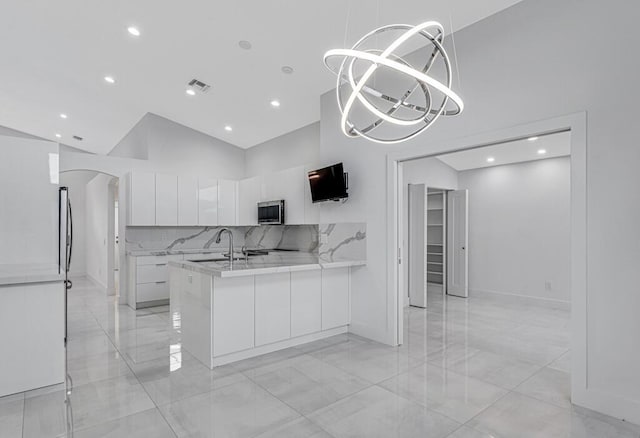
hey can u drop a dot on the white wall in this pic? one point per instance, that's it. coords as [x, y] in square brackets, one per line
[77, 181]
[433, 173]
[169, 145]
[512, 76]
[97, 225]
[297, 148]
[519, 228]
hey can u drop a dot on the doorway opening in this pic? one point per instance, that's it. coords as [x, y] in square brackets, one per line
[94, 197]
[575, 294]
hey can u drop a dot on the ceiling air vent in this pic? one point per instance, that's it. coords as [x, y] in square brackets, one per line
[199, 85]
[76, 137]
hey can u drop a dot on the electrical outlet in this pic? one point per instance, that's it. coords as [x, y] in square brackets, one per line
[547, 285]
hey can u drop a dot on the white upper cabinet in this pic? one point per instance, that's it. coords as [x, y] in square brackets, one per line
[227, 202]
[166, 199]
[170, 200]
[187, 200]
[207, 201]
[248, 198]
[142, 199]
[288, 185]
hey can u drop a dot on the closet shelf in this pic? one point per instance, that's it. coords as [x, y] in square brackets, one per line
[434, 263]
[434, 272]
[434, 225]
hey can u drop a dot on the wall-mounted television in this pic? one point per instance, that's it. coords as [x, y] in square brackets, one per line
[328, 184]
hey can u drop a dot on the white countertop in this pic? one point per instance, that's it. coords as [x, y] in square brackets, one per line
[268, 264]
[29, 273]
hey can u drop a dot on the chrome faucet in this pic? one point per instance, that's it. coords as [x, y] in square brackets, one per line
[218, 236]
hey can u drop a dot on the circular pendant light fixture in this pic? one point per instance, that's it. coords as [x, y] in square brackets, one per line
[377, 86]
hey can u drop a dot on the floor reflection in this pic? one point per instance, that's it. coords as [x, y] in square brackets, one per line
[483, 366]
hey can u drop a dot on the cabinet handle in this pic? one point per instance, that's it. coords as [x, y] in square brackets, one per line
[160, 282]
[161, 264]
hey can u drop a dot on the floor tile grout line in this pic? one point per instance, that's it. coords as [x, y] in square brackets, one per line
[305, 415]
[418, 404]
[24, 403]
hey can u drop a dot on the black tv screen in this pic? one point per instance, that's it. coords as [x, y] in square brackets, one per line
[328, 183]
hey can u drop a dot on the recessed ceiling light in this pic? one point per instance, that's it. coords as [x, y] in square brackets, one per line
[110, 79]
[542, 151]
[190, 92]
[246, 45]
[228, 128]
[287, 69]
[532, 138]
[133, 31]
[63, 116]
[58, 136]
[490, 160]
[275, 103]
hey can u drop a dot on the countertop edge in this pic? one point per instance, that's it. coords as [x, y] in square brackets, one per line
[195, 267]
[17, 280]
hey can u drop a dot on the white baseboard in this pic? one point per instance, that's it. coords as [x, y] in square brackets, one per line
[97, 282]
[270, 348]
[608, 404]
[549, 302]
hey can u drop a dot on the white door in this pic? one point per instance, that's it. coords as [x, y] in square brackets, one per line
[416, 240]
[457, 242]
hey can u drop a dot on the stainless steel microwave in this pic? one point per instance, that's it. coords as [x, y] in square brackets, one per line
[271, 212]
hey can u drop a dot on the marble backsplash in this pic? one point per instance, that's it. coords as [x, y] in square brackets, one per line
[343, 241]
[296, 237]
[332, 242]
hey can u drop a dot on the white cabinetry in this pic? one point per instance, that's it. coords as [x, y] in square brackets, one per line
[32, 326]
[142, 199]
[248, 197]
[227, 202]
[149, 280]
[207, 201]
[187, 200]
[288, 185]
[335, 298]
[273, 308]
[306, 302]
[166, 199]
[233, 315]
[195, 311]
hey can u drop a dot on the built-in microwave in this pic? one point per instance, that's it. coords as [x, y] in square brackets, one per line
[271, 212]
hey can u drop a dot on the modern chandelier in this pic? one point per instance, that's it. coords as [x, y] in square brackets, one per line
[412, 98]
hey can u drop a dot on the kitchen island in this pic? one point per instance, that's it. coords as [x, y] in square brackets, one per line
[266, 303]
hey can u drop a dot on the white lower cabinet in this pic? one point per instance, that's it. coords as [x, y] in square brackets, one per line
[149, 280]
[233, 314]
[306, 302]
[273, 308]
[195, 313]
[335, 298]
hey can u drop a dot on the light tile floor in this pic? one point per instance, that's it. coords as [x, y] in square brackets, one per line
[476, 368]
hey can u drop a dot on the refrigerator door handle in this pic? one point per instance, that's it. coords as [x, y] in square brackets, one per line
[70, 236]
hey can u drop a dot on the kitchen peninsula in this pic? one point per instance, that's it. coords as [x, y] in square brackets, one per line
[259, 305]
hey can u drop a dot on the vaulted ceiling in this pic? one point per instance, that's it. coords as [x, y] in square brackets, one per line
[56, 54]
